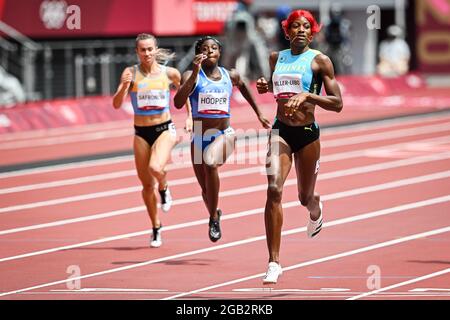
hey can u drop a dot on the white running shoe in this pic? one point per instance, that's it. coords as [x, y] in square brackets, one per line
[166, 199]
[314, 227]
[272, 274]
[156, 238]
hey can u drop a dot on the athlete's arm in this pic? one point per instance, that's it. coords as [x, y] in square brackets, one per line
[188, 125]
[261, 84]
[174, 76]
[123, 88]
[186, 86]
[243, 88]
[332, 101]
[188, 81]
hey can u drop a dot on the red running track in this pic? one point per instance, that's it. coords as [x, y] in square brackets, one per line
[80, 231]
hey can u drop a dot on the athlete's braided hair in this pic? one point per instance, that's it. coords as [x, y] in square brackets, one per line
[199, 42]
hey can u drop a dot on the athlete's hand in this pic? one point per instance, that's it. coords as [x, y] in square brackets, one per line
[188, 125]
[262, 86]
[294, 103]
[127, 77]
[265, 123]
[197, 62]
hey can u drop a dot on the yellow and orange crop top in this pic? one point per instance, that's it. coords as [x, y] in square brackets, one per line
[150, 95]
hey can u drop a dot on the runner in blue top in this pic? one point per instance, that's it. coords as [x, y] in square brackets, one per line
[297, 77]
[208, 87]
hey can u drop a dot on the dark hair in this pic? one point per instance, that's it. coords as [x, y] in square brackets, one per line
[199, 43]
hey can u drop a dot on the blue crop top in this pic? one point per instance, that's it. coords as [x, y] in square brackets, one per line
[210, 98]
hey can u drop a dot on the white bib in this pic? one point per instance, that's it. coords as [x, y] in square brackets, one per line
[286, 83]
[213, 101]
[151, 98]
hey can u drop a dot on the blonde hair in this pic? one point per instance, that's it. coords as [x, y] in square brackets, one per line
[162, 55]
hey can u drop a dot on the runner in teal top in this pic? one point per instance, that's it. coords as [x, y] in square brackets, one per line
[297, 77]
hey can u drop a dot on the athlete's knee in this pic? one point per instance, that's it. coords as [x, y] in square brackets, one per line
[148, 188]
[305, 199]
[156, 169]
[144, 177]
[274, 192]
[211, 173]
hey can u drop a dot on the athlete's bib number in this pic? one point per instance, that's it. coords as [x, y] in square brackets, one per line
[151, 99]
[213, 101]
[285, 85]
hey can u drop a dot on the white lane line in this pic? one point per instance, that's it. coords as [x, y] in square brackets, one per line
[393, 134]
[231, 193]
[45, 133]
[91, 163]
[69, 182]
[339, 173]
[67, 166]
[115, 175]
[321, 260]
[104, 215]
[430, 290]
[85, 164]
[363, 128]
[233, 244]
[108, 290]
[401, 284]
[118, 133]
[229, 173]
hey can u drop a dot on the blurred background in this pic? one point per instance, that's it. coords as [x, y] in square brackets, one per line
[62, 56]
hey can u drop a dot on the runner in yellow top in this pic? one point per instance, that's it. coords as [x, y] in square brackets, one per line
[149, 86]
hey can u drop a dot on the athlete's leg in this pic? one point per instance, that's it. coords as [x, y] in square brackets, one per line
[279, 162]
[208, 179]
[142, 158]
[160, 155]
[214, 156]
[199, 172]
[307, 167]
[212, 187]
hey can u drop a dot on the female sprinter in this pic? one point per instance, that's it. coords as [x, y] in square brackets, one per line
[149, 86]
[209, 89]
[296, 79]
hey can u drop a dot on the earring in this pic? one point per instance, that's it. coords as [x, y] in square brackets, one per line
[287, 38]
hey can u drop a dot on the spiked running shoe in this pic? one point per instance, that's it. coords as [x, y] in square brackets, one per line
[214, 228]
[166, 199]
[314, 227]
[273, 272]
[156, 241]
